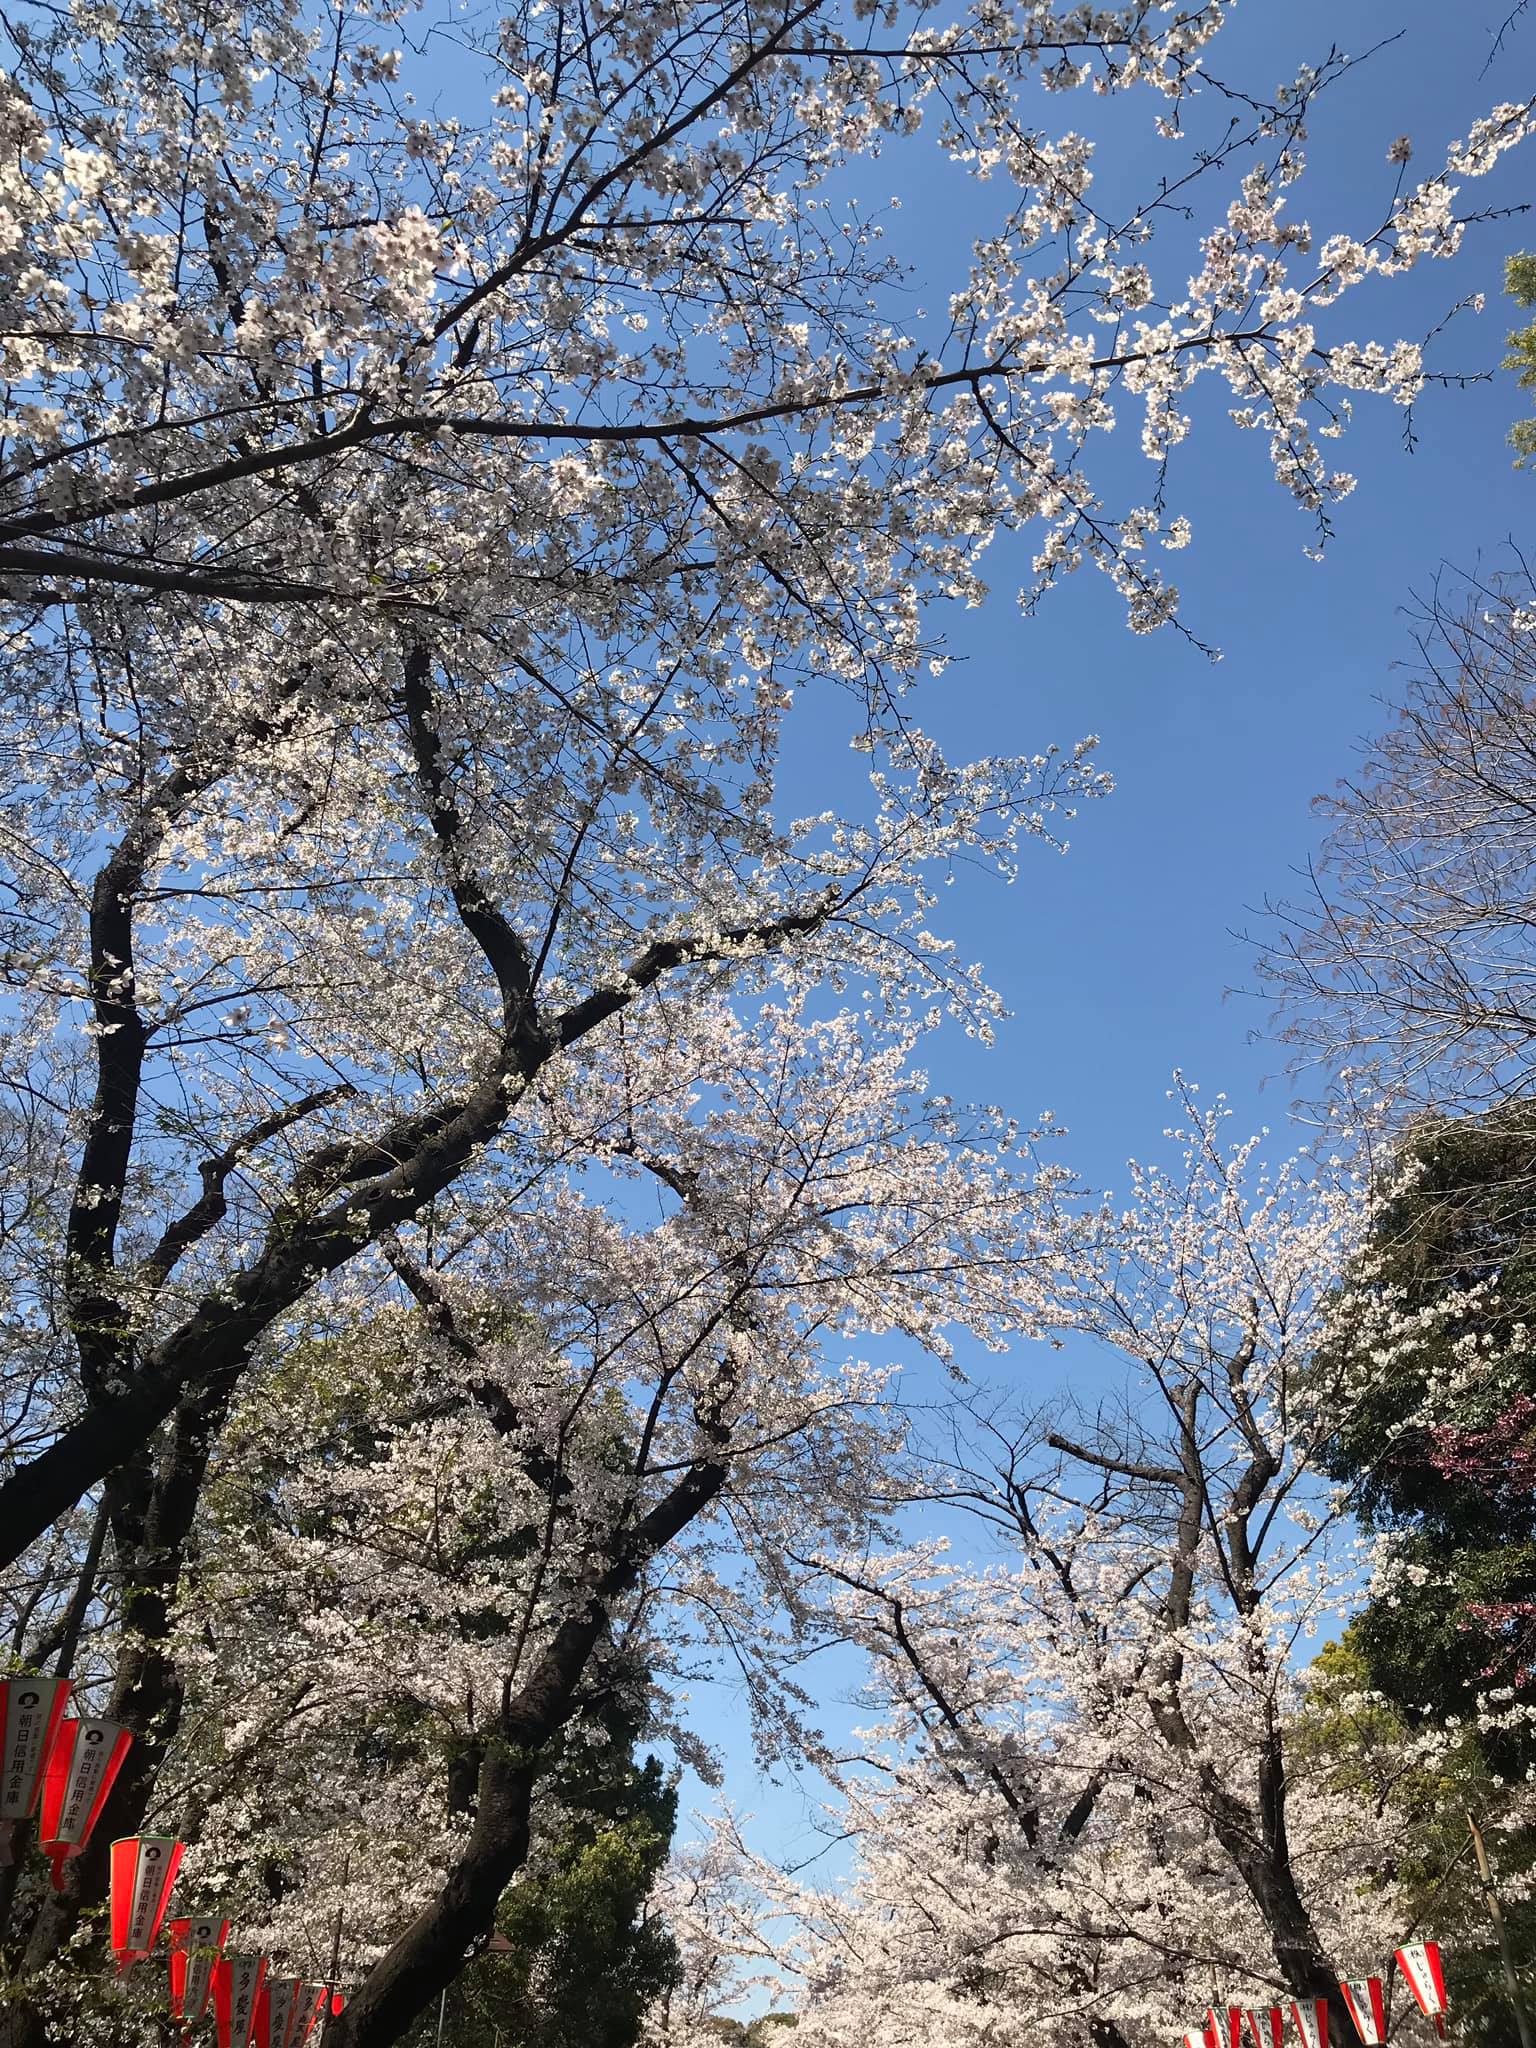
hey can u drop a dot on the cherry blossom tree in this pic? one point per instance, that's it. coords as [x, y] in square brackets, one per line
[433, 1537]
[283, 340]
[417, 528]
[1085, 1799]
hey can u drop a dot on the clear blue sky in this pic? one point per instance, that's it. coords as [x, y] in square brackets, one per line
[1115, 960]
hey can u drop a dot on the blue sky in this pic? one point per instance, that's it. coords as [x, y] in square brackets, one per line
[1115, 961]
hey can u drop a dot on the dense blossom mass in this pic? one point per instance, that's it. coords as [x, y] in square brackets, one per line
[1109, 1787]
[466, 1162]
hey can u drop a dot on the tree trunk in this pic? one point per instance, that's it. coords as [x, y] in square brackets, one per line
[1265, 1868]
[430, 1953]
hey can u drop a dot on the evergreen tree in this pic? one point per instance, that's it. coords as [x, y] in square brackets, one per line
[578, 1956]
[1453, 1478]
[1365, 1747]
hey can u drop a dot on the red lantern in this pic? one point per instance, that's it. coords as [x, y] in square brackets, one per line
[311, 2005]
[195, 1947]
[143, 1870]
[292, 2007]
[1367, 2008]
[1267, 2027]
[30, 1712]
[274, 2010]
[237, 1984]
[1228, 2032]
[1311, 2017]
[1420, 1964]
[85, 1758]
[338, 2005]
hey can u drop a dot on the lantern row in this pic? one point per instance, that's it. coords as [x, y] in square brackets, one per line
[251, 2007]
[1364, 2001]
[67, 1766]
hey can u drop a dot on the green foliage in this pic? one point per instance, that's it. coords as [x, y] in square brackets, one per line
[1470, 1218]
[1429, 1650]
[755, 2033]
[584, 1959]
[1417, 1661]
[1520, 283]
[1359, 1743]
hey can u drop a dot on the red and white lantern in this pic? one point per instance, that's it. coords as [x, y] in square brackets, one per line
[312, 2003]
[144, 1868]
[237, 1987]
[30, 1712]
[195, 1948]
[85, 1758]
[1420, 1964]
[1225, 2030]
[1311, 2017]
[287, 2011]
[1367, 2008]
[1266, 2026]
[1198, 2038]
[279, 1997]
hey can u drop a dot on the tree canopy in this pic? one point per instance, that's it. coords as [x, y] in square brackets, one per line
[455, 1106]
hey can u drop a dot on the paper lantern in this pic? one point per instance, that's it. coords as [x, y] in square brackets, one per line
[237, 1986]
[1311, 2017]
[312, 2002]
[287, 2012]
[1225, 2030]
[195, 1947]
[1367, 2008]
[1266, 2026]
[290, 2004]
[30, 1712]
[1420, 1964]
[338, 2005]
[85, 1758]
[143, 1870]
